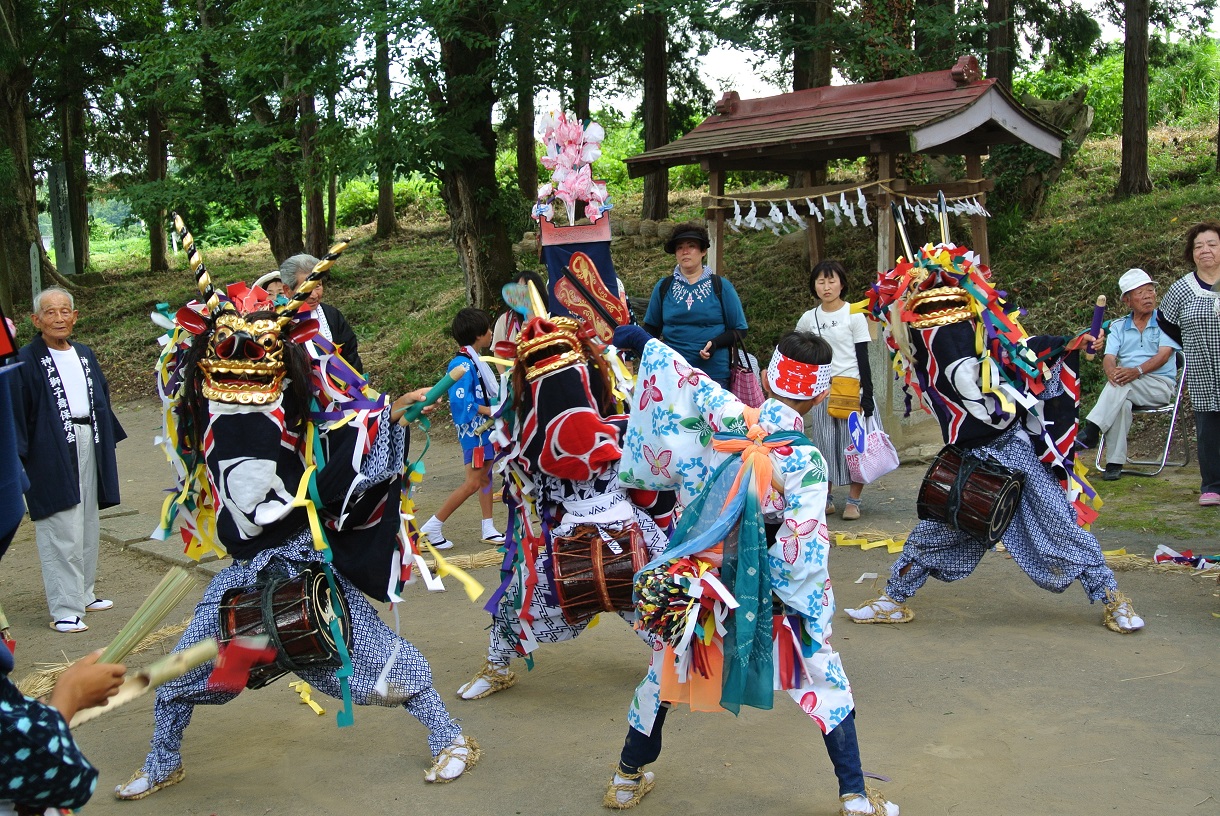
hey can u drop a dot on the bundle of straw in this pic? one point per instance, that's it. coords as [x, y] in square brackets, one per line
[41, 681]
[174, 587]
[1126, 562]
[487, 558]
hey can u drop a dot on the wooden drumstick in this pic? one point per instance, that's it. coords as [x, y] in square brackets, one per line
[1099, 316]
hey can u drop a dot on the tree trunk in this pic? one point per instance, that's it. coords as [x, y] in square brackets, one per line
[311, 158]
[157, 159]
[76, 179]
[1070, 115]
[527, 151]
[811, 59]
[999, 42]
[1133, 177]
[656, 112]
[332, 178]
[18, 209]
[582, 79]
[890, 23]
[803, 49]
[387, 220]
[823, 58]
[281, 224]
[933, 45]
[468, 182]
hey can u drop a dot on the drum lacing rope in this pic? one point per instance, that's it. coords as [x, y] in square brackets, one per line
[953, 502]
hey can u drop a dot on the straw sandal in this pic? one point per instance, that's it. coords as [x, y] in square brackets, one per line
[637, 784]
[879, 804]
[1119, 606]
[120, 792]
[882, 615]
[464, 749]
[495, 680]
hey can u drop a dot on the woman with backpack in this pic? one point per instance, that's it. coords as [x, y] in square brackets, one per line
[695, 311]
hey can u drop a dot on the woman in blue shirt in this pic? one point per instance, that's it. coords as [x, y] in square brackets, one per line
[695, 311]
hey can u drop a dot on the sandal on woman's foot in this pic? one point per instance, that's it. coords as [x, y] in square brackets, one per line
[1119, 615]
[69, 625]
[490, 679]
[454, 760]
[494, 538]
[626, 790]
[869, 803]
[851, 512]
[140, 785]
[883, 610]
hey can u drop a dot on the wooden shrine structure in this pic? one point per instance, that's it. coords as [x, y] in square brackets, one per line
[955, 112]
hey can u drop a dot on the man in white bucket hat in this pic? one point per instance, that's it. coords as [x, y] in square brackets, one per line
[1140, 370]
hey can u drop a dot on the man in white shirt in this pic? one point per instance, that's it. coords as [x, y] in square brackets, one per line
[66, 436]
[1140, 370]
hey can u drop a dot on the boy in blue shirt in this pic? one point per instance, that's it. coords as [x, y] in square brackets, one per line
[470, 400]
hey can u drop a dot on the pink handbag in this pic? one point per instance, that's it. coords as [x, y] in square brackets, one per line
[743, 378]
[878, 458]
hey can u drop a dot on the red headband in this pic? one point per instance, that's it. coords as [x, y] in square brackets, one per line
[796, 380]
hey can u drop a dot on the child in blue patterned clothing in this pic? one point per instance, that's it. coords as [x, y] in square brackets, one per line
[470, 400]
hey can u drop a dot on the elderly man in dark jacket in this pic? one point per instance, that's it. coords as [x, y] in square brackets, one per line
[66, 435]
[331, 323]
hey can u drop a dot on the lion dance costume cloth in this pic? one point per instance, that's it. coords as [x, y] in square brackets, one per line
[285, 458]
[560, 442]
[999, 394]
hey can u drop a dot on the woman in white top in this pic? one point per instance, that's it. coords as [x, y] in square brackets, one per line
[848, 337]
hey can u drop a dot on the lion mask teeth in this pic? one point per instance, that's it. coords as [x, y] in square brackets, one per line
[244, 363]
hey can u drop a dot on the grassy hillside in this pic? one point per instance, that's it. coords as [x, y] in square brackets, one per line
[401, 294]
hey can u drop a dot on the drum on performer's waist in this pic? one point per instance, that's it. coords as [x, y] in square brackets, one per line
[594, 569]
[976, 495]
[294, 613]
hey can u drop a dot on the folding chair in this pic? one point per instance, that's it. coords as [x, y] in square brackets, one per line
[1170, 408]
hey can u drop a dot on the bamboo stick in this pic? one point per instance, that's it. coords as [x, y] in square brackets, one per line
[174, 587]
[139, 682]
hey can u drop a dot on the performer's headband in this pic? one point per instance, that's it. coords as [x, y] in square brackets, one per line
[796, 380]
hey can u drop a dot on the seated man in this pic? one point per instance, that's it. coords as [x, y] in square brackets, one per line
[1140, 371]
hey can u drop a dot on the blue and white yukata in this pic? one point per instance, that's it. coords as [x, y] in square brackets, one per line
[676, 414]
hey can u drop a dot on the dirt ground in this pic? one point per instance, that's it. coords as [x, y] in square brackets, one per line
[999, 698]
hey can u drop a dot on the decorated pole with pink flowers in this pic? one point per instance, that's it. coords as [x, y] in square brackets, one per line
[581, 282]
[571, 149]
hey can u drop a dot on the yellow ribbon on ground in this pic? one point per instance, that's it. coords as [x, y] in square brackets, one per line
[306, 691]
[892, 544]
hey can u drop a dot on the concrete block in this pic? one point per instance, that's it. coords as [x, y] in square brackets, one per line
[126, 530]
[168, 551]
[116, 511]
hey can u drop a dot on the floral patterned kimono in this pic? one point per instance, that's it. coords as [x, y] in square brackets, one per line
[687, 433]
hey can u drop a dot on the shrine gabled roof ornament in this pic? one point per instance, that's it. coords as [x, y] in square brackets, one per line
[952, 112]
